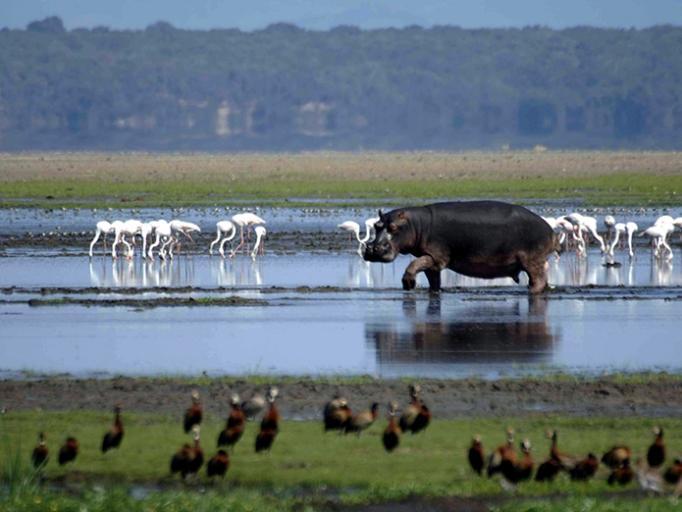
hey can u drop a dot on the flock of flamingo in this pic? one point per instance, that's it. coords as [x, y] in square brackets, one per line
[574, 231]
[167, 235]
[577, 229]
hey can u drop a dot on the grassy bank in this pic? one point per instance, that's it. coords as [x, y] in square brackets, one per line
[306, 462]
[130, 180]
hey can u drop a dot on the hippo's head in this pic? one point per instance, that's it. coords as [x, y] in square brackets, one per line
[394, 235]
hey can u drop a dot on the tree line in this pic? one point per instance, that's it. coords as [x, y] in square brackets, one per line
[286, 88]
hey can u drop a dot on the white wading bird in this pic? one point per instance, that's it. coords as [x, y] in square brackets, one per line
[225, 231]
[353, 227]
[259, 246]
[163, 233]
[584, 224]
[245, 220]
[122, 229]
[103, 228]
[626, 230]
[184, 228]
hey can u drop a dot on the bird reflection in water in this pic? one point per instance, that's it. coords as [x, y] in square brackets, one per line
[238, 272]
[500, 332]
[130, 273]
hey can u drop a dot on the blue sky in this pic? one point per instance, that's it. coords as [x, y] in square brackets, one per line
[323, 14]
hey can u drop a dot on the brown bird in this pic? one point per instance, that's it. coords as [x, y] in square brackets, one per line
[416, 416]
[565, 461]
[673, 473]
[655, 456]
[188, 459]
[476, 456]
[622, 474]
[548, 470]
[179, 461]
[218, 464]
[68, 451]
[269, 425]
[336, 414]
[40, 452]
[391, 435]
[585, 469]
[515, 472]
[363, 420]
[501, 453]
[193, 414]
[113, 438]
[615, 457]
[236, 423]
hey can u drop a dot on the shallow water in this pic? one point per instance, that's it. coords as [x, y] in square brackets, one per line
[361, 323]
[307, 269]
[15, 221]
[387, 334]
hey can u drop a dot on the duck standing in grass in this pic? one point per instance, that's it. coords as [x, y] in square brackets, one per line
[40, 453]
[113, 438]
[391, 436]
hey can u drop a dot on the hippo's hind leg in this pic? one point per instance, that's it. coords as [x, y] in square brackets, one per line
[420, 264]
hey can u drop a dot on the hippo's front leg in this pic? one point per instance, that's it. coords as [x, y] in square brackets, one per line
[421, 264]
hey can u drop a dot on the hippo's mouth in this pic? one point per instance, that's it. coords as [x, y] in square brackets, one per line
[382, 255]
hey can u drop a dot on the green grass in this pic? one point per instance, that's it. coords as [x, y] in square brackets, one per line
[289, 189]
[306, 468]
[304, 458]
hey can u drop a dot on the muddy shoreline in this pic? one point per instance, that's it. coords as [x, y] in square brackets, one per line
[303, 399]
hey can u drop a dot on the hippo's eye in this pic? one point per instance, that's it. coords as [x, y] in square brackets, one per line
[392, 228]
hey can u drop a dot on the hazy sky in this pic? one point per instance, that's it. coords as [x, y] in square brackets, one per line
[322, 14]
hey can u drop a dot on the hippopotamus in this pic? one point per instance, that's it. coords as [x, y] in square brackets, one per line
[486, 239]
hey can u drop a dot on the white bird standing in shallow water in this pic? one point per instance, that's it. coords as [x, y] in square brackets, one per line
[354, 227]
[586, 224]
[225, 231]
[184, 228]
[163, 231]
[103, 228]
[259, 246]
[131, 228]
[245, 220]
[623, 229]
[658, 234]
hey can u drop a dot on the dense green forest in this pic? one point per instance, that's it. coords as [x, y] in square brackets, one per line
[285, 88]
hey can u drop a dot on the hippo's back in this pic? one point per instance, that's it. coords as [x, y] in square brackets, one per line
[491, 225]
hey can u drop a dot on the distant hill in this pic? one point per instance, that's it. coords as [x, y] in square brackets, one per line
[285, 88]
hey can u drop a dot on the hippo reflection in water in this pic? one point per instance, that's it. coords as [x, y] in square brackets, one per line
[486, 239]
